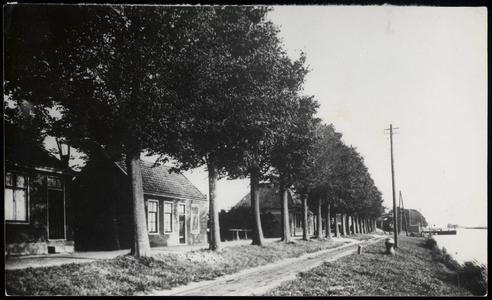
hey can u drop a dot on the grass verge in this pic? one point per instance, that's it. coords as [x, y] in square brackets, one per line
[126, 275]
[412, 271]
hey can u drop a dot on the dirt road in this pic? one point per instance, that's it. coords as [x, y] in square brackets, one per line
[257, 281]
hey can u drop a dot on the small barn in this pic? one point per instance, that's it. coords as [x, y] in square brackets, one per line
[176, 211]
[38, 207]
[270, 209]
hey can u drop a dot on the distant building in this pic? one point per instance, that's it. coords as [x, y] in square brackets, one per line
[270, 209]
[412, 219]
[176, 211]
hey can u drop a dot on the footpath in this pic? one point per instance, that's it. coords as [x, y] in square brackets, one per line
[48, 260]
[249, 282]
[259, 280]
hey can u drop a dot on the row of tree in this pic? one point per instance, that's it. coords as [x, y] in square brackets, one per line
[206, 86]
[330, 178]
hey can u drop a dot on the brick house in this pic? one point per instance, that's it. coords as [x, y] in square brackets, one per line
[176, 211]
[38, 216]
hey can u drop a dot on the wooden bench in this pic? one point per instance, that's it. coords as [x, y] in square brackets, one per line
[237, 233]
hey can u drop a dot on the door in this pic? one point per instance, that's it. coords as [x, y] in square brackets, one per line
[182, 223]
[56, 208]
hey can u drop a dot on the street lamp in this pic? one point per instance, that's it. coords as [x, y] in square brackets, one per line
[63, 150]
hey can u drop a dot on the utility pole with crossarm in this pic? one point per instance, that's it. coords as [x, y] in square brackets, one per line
[395, 219]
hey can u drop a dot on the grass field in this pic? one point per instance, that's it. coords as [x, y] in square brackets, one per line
[126, 275]
[417, 269]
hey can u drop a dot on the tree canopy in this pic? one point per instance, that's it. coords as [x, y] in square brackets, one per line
[204, 85]
[113, 73]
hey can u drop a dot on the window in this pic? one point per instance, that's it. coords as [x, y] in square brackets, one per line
[16, 203]
[168, 217]
[55, 183]
[195, 218]
[181, 209]
[152, 216]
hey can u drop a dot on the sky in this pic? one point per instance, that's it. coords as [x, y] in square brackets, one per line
[421, 69]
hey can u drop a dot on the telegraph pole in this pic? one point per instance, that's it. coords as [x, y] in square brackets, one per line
[395, 219]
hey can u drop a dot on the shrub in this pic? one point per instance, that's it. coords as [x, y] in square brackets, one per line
[473, 276]
[444, 257]
[430, 243]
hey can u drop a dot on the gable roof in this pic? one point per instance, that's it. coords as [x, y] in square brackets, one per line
[22, 151]
[157, 179]
[270, 198]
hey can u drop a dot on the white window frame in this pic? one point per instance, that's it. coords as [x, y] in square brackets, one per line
[192, 218]
[164, 216]
[156, 216]
[13, 187]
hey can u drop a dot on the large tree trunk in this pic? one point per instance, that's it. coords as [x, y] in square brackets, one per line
[356, 227]
[350, 224]
[361, 225]
[284, 204]
[255, 206]
[364, 228]
[214, 243]
[337, 230]
[140, 233]
[319, 227]
[328, 221]
[344, 224]
[305, 235]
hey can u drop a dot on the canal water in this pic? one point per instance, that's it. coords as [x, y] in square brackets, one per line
[466, 245]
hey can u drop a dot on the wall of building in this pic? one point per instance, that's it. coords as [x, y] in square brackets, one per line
[104, 212]
[163, 238]
[103, 209]
[32, 237]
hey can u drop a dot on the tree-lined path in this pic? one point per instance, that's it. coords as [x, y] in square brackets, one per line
[257, 281]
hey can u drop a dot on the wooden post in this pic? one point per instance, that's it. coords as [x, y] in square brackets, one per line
[395, 219]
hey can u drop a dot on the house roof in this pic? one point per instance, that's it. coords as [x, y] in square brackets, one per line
[270, 198]
[21, 151]
[158, 180]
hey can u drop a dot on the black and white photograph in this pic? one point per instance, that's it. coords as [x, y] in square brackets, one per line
[282, 150]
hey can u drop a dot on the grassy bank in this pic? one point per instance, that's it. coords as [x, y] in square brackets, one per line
[471, 275]
[126, 275]
[417, 269]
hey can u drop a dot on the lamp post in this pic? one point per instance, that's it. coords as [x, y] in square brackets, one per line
[63, 150]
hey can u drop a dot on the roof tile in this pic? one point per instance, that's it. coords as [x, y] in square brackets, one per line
[269, 197]
[157, 179]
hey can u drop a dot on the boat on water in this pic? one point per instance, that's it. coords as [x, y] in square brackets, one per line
[440, 232]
